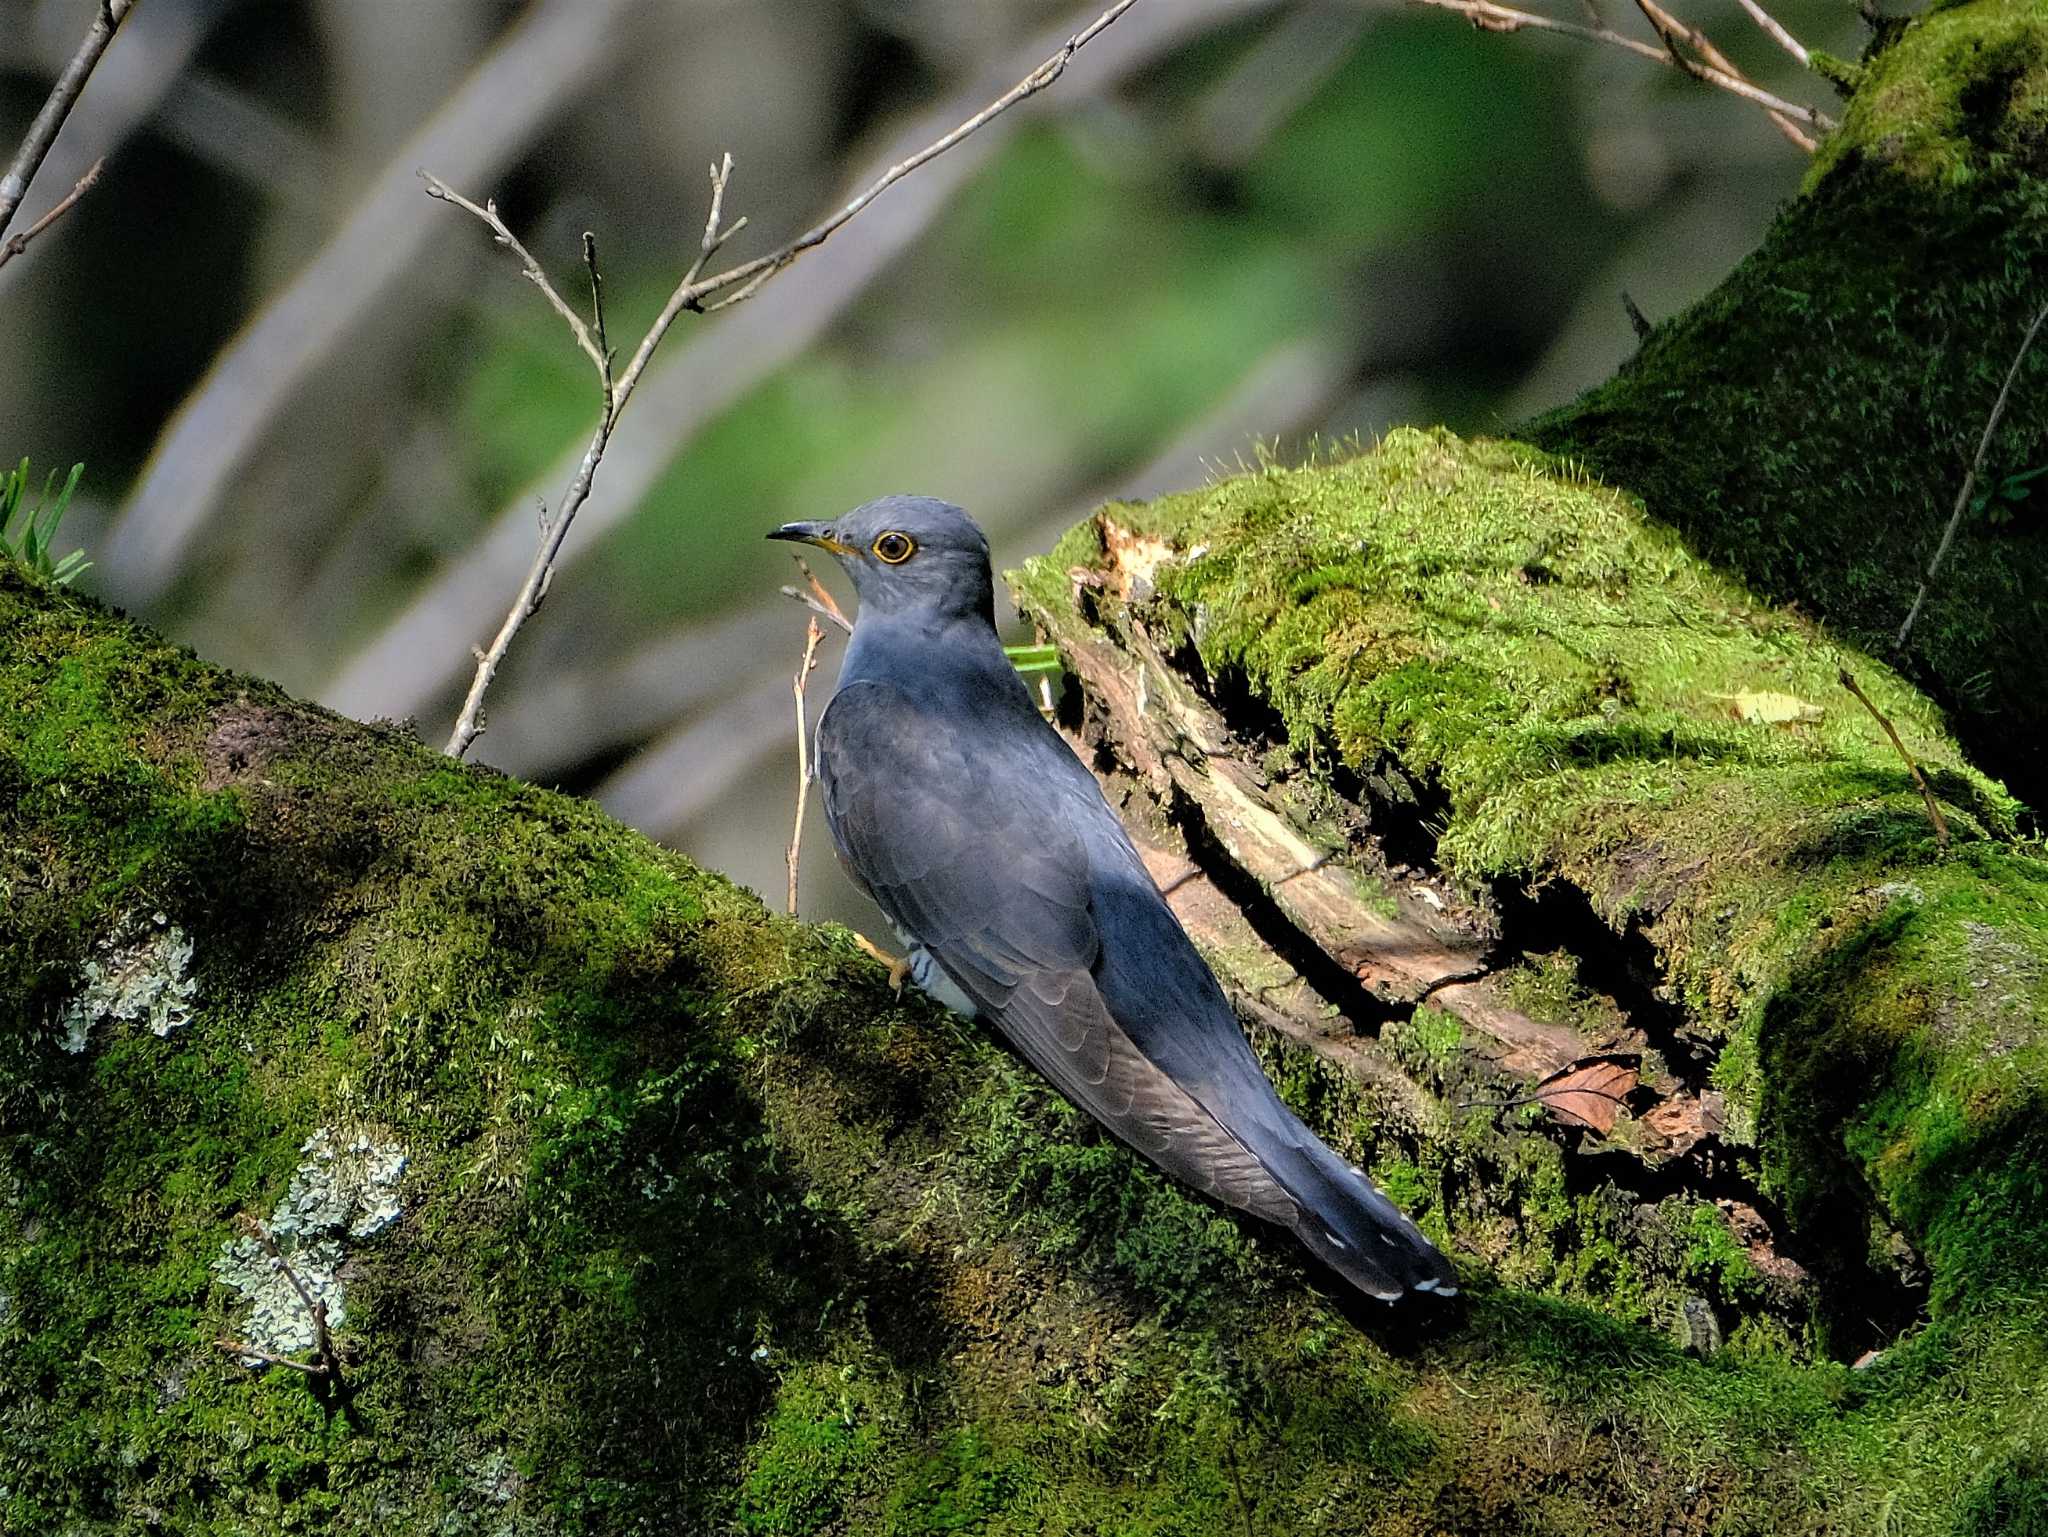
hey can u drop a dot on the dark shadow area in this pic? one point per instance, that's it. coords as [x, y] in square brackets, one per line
[1821, 1076]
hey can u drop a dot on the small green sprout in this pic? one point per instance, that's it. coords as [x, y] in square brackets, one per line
[1030, 659]
[26, 536]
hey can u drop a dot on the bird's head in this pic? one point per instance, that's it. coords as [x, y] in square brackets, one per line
[910, 555]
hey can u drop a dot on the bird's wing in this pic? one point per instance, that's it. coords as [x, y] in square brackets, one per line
[992, 877]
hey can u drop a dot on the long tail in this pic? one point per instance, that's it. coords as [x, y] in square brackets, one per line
[1351, 1226]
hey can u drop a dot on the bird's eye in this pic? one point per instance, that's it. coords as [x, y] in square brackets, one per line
[893, 549]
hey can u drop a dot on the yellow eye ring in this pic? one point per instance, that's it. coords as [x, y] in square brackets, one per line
[893, 548]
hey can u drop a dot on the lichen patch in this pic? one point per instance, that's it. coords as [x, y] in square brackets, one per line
[343, 1191]
[142, 974]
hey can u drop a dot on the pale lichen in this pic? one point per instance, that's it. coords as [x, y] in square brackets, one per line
[345, 1190]
[141, 974]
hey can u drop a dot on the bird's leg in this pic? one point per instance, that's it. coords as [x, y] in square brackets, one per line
[899, 965]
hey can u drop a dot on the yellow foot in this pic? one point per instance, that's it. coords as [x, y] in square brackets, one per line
[899, 965]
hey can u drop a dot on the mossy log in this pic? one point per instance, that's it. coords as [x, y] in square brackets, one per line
[634, 1207]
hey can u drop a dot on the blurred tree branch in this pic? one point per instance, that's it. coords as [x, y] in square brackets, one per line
[733, 285]
[42, 132]
[542, 62]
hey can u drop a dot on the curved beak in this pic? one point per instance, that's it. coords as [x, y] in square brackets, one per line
[819, 534]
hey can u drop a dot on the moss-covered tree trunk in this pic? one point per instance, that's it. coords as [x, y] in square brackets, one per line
[633, 1207]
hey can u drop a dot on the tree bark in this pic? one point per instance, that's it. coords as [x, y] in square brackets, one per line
[1558, 878]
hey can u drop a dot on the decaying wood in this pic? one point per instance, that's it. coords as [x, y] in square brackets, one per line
[1404, 939]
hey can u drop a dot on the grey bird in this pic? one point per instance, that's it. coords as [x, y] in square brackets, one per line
[990, 848]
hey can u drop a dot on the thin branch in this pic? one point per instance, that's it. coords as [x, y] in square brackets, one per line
[714, 234]
[1919, 779]
[604, 343]
[539, 576]
[535, 273]
[812, 635]
[798, 595]
[18, 242]
[1955, 518]
[42, 133]
[1711, 62]
[746, 279]
[1489, 16]
[1777, 33]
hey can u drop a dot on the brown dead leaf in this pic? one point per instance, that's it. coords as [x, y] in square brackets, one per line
[1132, 559]
[1588, 1092]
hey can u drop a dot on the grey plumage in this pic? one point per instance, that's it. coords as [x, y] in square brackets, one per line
[989, 845]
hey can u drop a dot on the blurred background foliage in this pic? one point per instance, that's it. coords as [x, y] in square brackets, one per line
[317, 410]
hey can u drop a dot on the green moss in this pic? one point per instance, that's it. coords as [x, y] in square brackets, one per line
[1806, 424]
[813, 1454]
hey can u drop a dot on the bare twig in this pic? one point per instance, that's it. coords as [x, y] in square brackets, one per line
[715, 234]
[535, 273]
[1919, 779]
[469, 724]
[1777, 33]
[422, 651]
[1712, 64]
[42, 133]
[1489, 16]
[812, 635]
[18, 242]
[798, 595]
[1955, 518]
[743, 281]
[604, 343]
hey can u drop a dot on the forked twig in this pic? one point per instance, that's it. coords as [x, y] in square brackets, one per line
[1712, 65]
[42, 132]
[1955, 518]
[732, 286]
[533, 271]
[1919, 779]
